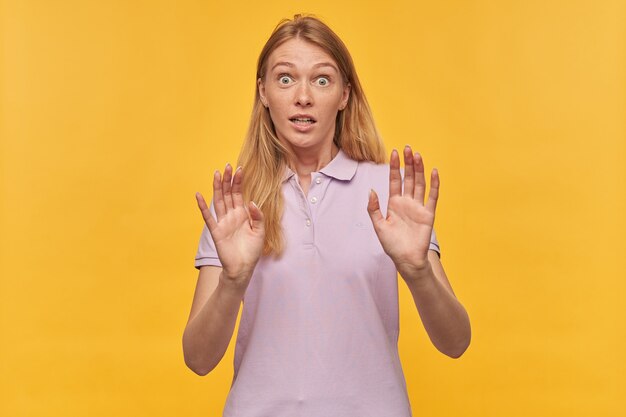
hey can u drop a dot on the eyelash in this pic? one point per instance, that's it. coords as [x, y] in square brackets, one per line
[281, 76]
[325, 77]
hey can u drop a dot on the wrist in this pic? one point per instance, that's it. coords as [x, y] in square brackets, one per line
[416, 273]
[234, 285]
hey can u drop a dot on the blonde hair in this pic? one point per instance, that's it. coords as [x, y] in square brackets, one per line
[264, 158]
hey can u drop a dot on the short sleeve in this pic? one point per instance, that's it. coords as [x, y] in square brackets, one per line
[207, 254]
[434, 243]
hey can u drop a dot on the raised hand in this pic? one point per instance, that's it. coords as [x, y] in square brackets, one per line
[239, 231]
[405, 232]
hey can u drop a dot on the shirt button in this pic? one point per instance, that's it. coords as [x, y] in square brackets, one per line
[313, 200]
[308, 222]
[318, 180]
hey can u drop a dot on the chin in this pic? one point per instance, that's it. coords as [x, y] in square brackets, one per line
[304, 141]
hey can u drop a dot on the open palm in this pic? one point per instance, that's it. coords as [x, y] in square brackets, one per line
[405, 232]
[238, 232]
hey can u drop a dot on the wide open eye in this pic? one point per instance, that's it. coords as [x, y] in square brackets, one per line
[323, 81]
[285, 80]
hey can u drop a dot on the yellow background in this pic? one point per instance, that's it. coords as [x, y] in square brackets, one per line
[114, 113]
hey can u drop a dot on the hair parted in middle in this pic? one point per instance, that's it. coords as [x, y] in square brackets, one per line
[264, 158]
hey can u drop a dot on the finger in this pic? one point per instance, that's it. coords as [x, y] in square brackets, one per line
[395, 179]
[237, 188]
[409, 175]
[256, 217]
[206, 212]
[433, 194]
[226, 186]
[373, 208]
[420, 181]
[218, 196]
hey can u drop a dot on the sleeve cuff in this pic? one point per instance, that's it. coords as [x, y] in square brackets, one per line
[207, 261]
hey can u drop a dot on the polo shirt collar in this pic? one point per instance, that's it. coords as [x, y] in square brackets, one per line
[341, 168]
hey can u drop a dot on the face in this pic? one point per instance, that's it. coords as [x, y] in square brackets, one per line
[303, 90]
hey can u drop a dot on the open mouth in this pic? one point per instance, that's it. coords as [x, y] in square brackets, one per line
[302, 120]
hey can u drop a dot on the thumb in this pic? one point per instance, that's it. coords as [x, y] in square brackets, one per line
[256, 217]
[373, 208]
[206, 212]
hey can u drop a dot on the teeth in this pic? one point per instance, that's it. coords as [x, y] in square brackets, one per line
[302, 120]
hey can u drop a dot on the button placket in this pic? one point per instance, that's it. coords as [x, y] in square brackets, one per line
[317, 189]
[312, 201]
[307, 237]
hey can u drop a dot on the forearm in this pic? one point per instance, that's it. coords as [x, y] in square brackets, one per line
[208, 334]
[444, 318]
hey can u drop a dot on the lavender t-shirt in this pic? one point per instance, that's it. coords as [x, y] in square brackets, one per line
[319, 328]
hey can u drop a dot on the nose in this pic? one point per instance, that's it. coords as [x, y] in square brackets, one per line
[304, 97]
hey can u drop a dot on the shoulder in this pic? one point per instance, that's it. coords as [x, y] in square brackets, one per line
[372, 168]
[372, 172]
[371, 176]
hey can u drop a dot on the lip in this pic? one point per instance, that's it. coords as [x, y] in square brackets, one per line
[302, 127]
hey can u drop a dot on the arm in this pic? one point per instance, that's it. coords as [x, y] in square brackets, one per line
[405, 237]
[211, 321]
[238, 234]
[443, 316]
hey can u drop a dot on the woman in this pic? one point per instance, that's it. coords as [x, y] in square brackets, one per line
[300, 236]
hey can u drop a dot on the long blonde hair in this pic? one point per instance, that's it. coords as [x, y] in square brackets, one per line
[264, 158]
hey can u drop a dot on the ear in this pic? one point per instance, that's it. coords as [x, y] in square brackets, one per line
[261, 88]
[345, 95]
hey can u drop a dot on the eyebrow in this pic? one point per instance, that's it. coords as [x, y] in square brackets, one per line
[326, 64]
[286, 64]
[318, 65]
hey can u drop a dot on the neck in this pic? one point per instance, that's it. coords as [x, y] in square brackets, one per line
[304, 162]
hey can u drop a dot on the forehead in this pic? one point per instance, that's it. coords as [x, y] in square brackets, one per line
[299, 53]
